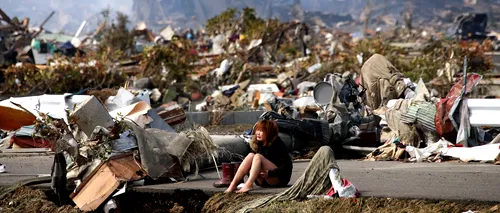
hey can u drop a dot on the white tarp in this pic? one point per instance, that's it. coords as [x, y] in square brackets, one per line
[53, 105]
[488, 152]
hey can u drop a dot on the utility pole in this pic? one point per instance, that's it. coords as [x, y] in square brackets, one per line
[368, 13]
[408, 17]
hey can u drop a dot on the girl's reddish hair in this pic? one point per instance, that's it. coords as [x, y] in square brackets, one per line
[270, 130]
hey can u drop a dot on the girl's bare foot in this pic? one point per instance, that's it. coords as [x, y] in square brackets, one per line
[230, 189]
[245, 189]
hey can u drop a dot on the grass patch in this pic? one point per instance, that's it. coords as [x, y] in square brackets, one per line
[226, 203]
[221, 202]
[379, 205]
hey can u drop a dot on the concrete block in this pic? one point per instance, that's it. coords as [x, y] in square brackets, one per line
[91, 113]
[247, 117]
[232, 143]
[228, 118]
[201, 118]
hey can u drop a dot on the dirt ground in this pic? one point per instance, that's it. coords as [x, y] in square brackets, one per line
[177, 202]
[225, 203]
[28, 200]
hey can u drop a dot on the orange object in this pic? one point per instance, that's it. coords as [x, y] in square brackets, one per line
[257, 95]
[279, 94]
[13, 118]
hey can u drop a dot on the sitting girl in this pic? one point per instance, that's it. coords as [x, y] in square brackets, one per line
[269, 164]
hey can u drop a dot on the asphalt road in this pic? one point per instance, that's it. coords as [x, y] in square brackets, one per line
[446, 181]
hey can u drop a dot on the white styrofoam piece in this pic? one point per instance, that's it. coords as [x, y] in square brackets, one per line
[264, 88]
[304, 101]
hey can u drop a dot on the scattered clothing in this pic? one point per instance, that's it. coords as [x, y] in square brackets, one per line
[383, 82]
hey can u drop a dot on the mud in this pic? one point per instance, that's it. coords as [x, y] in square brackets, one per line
[176, 202]
[29, 200]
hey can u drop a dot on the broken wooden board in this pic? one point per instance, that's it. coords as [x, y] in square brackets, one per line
[104, 181]
[96, 189]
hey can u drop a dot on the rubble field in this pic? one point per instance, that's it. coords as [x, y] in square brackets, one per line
[120, 102]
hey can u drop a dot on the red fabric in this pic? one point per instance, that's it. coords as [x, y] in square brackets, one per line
[331, 192]
[29, 142]
[443, 107]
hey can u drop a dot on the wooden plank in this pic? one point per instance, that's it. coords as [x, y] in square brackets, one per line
[96, 189]
[26, 22]
[5, 17]
[126, 168]
[104, 180]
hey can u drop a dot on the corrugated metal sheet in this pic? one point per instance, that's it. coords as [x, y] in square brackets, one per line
[411, 115]
[422, 115]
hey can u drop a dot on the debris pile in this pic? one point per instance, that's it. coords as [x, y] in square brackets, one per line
[99, 149]
[130, 97]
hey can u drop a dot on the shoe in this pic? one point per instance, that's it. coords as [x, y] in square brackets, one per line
[227, 176]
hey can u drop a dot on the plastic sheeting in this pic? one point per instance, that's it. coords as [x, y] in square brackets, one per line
[153, 152]
[489, 153]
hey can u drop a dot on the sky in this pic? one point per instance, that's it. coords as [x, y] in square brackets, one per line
[69, 14]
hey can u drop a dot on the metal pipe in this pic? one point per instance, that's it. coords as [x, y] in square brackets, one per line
[360, 149]
[464, 76]
[47, 19]
[80, 29]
